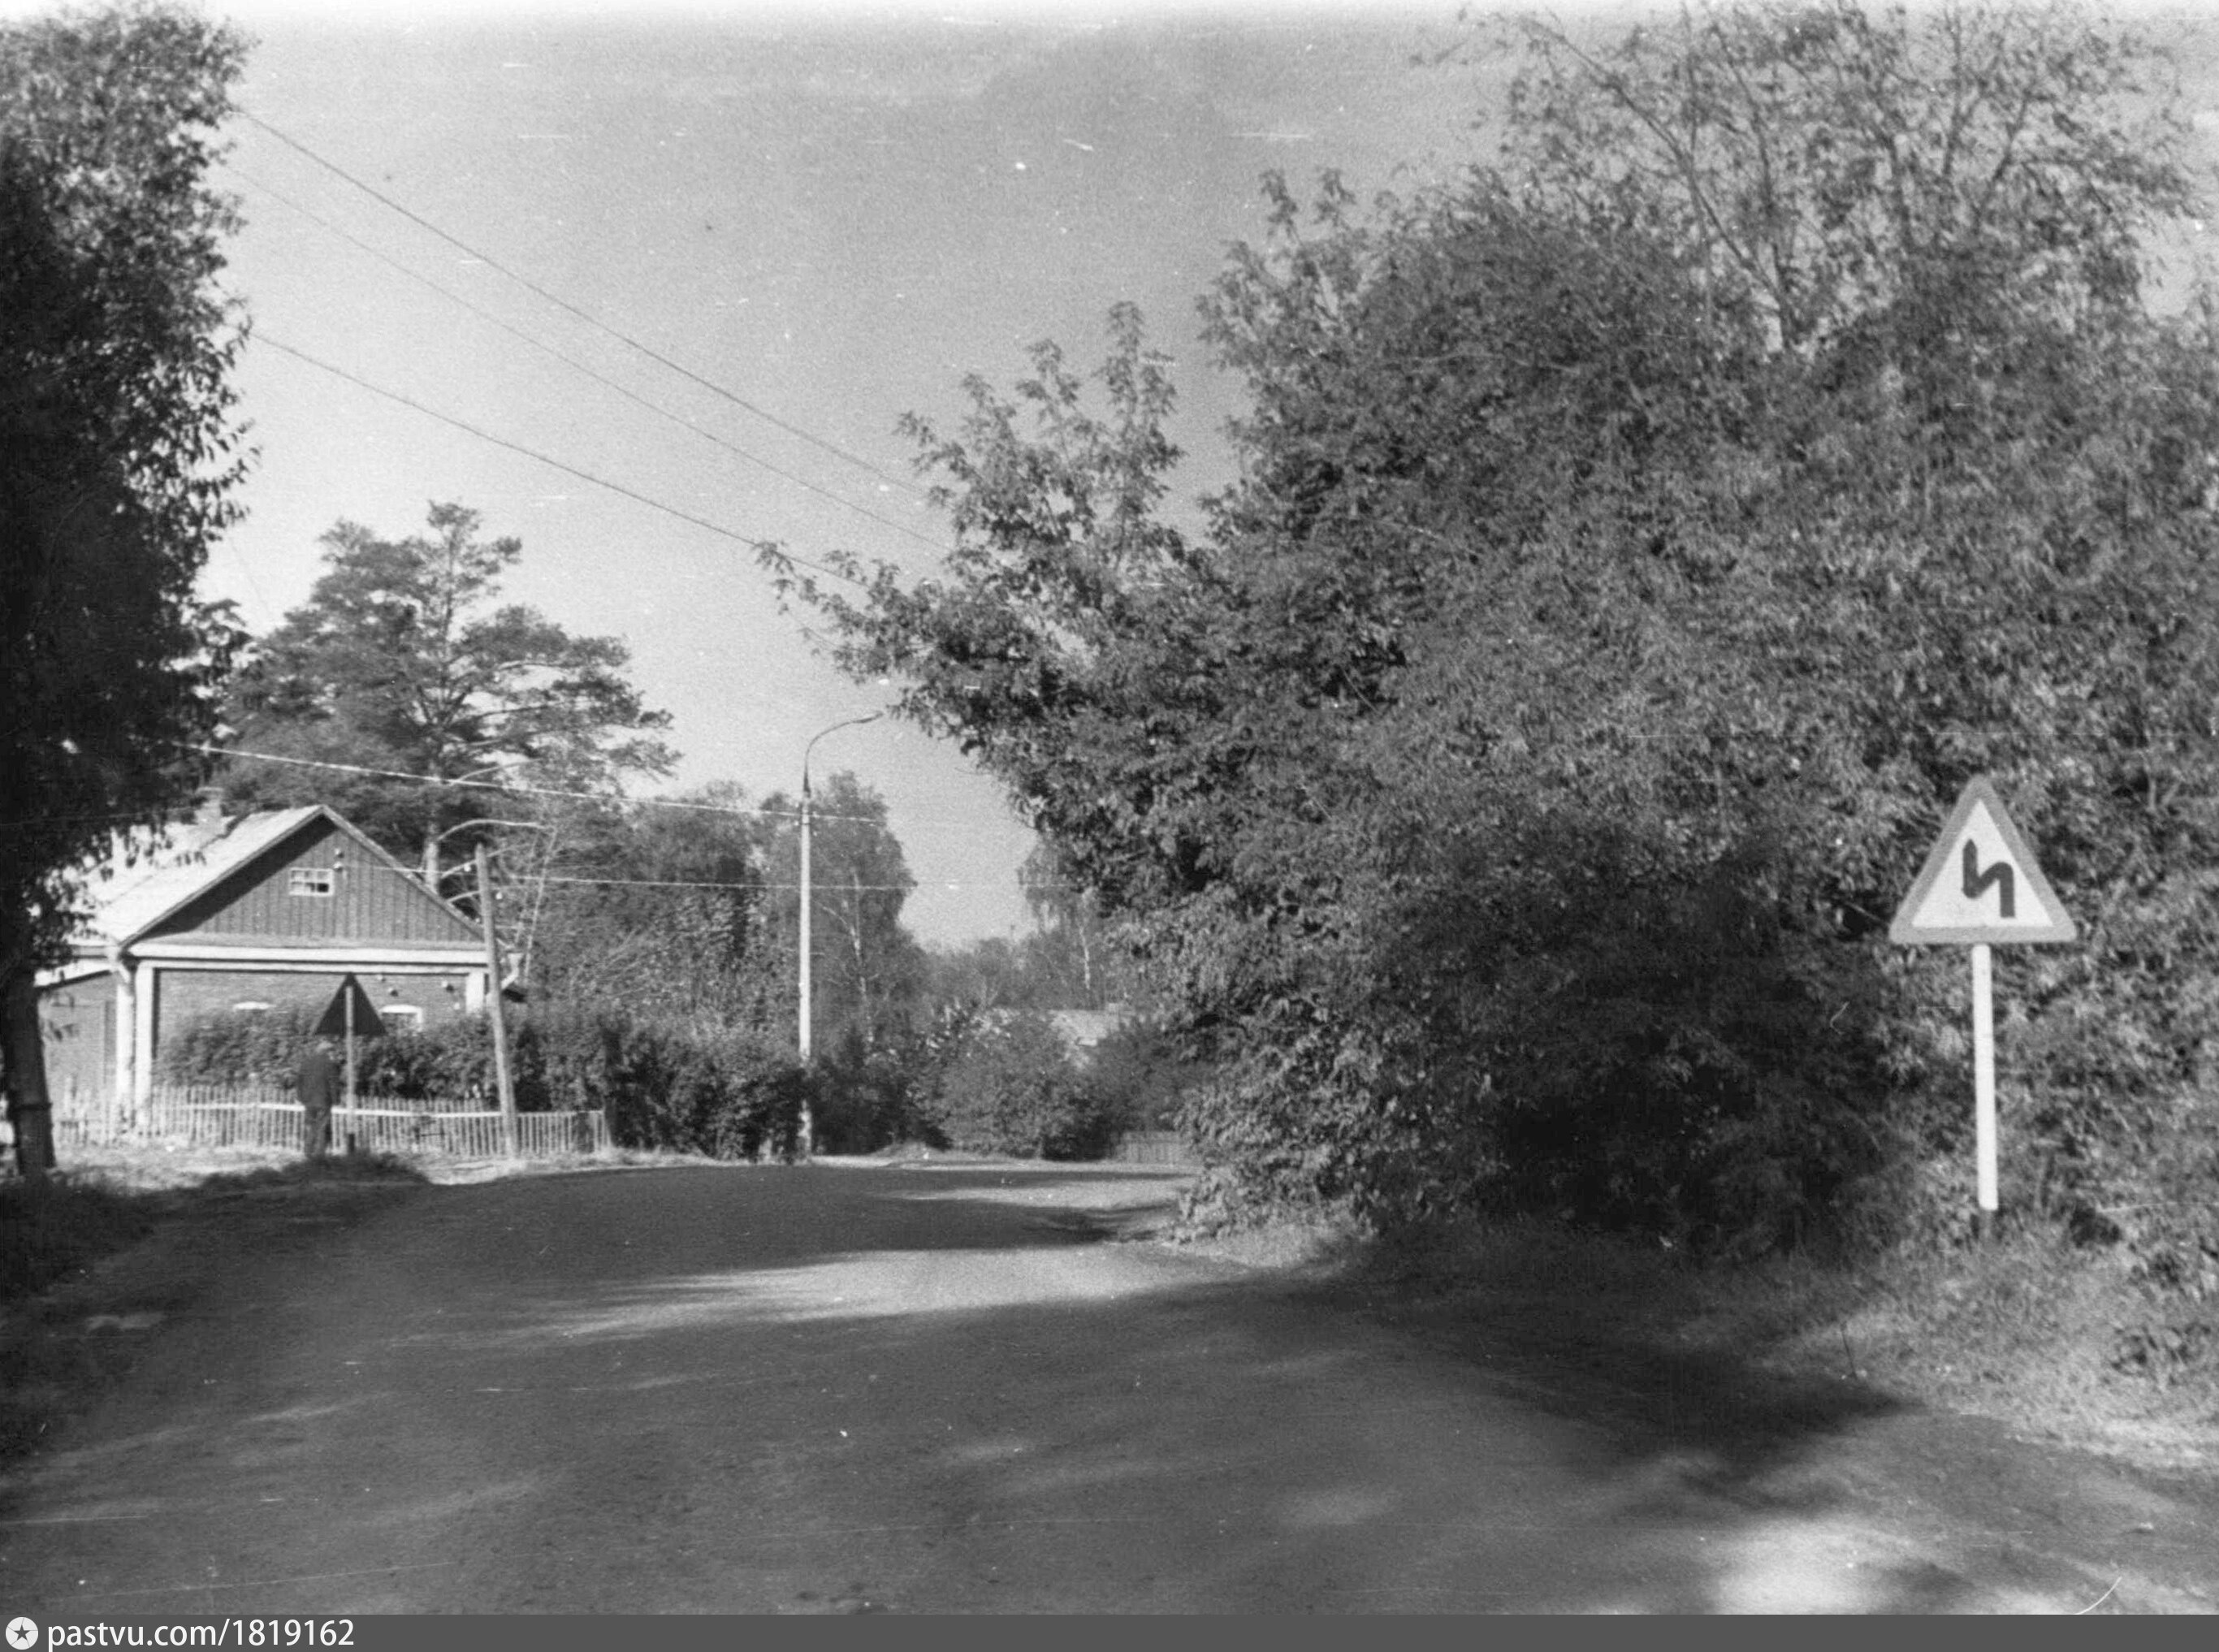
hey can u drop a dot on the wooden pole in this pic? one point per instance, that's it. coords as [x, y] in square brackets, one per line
[1984, 1083]
[494, 1004]
[353, 1107]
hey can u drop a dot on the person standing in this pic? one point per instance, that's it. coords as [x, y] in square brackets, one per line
[320, 1093]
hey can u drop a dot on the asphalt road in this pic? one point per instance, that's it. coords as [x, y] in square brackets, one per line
[850, 1388]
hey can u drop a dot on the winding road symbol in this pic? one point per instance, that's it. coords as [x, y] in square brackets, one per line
[1976, 880]
[1980, 885]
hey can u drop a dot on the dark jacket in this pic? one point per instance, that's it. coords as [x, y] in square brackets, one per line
[320, 1082]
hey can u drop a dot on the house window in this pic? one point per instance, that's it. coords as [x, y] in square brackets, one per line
[309, 880]
[402, 1017]
[253, 1007]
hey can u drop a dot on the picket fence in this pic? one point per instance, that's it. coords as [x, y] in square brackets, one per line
[227, 1116]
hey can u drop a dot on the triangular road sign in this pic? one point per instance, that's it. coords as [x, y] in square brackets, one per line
[368, 1023]
[1980, 883]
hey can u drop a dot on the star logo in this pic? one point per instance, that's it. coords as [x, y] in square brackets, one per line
[23, 1634]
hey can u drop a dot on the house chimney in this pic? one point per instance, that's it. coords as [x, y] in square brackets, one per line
[209, 812]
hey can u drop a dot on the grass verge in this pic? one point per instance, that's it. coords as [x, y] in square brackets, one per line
[51, 1229]
[54, 1231]
[92, 1256]
[2026, 1329]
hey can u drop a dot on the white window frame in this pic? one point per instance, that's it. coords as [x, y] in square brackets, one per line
[321, 882]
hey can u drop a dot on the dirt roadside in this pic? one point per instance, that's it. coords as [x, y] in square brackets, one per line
[2152, 1532]
[62, 1350]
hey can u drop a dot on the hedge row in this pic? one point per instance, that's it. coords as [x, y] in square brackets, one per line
[1002, 1082]
[664, 1083]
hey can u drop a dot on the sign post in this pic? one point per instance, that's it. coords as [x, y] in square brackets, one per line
[1981, 888]
[1984, 1078]
[351, 1014]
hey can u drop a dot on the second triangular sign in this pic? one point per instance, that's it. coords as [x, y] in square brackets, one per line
[1980, 883]
[367, 1023]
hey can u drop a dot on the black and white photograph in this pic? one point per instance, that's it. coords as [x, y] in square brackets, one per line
[1022, 807]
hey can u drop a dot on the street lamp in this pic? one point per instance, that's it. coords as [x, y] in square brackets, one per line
[807, 949]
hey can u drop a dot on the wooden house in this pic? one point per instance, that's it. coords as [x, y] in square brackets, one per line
[269, 909]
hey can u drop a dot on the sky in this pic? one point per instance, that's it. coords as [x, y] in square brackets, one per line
[820, 220]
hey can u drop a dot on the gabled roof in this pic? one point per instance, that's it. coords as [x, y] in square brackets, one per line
[185, 861]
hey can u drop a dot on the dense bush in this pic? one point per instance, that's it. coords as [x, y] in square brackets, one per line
[1638, 545]
[1141, 1078]
[1008, 1085]
[230, 1046]
[680, 1088]
[864, 1097]
[683, 1086]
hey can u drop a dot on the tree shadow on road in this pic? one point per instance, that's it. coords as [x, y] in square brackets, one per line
[1249, 1442]
[772, 1389]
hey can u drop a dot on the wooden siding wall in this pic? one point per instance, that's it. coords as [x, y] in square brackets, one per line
[370, 901]
[79, 1022]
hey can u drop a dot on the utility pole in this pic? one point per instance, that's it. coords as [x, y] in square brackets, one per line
[493, 1005]
[807, 938]
[807, 932]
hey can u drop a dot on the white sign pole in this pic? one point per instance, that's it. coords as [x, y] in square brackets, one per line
[1980, 884]
[1984, 1078]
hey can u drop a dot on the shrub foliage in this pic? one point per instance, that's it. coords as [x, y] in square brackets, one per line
[1006, 1083]
[680, 1086]
[1639, 545]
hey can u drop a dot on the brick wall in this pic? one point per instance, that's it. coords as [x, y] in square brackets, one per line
[187, 994]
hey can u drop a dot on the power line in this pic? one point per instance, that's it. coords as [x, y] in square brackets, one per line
[514, 789]
[550, 792]
[590, 319]
[521, 790]
[597, 377]
[818, 885]
[558, 464]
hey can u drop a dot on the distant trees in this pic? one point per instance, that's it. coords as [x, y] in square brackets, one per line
[1637, 543]
[660, 910]
[690, 908]
[1069, 960]
[401, 662]
[867, 969]
[118, 460]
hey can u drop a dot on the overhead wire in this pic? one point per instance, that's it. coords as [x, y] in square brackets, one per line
[567, 468]
[593, 374]
[506, 787]
[820, 885]
[721, 391]
[521, 790]
[587, 317]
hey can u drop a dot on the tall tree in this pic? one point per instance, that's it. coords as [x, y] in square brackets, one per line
[657, 909]
[867, 970]
[1070, 957]
[399, 662]
[118, 456]
[1638, 542]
